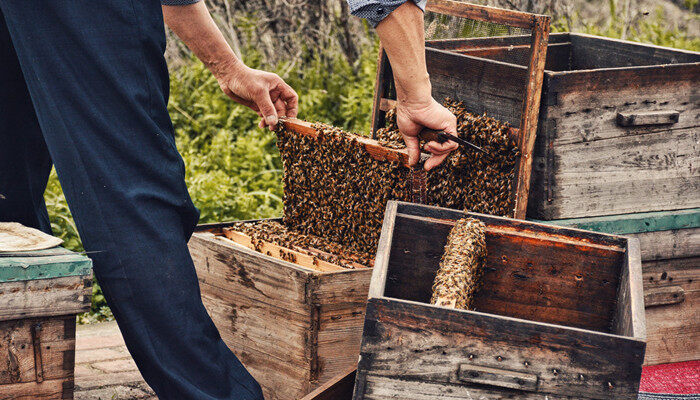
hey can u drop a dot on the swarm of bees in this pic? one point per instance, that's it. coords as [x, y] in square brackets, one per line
[334, 189]
[318, 247]
[335, 193]
[461, 266]
[470, 180]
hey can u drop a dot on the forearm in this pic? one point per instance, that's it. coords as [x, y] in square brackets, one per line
[402, 37]
[195, 27]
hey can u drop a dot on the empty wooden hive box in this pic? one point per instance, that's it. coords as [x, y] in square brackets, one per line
[618, 121]
[40, 294]
[560, 314]
[670, 250]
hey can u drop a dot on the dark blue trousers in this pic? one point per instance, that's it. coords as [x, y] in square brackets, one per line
[84, 85]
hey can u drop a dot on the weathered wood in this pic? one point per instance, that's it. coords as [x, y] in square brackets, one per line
[47, 390]
[664, 296]
[293, 327]
[652, 172]
[497, 377]
[670, 244]
[45, 297]
[338, 388]
[476, 12]
[629, 315]
[585, 162]
[415, 342]
[520, 268]
[18, 354]
[673, 329]
[595, 52]
[530, 111]
[648, 118]
[414, 350]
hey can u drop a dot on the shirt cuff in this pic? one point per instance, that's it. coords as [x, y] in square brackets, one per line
[177, 2]
[374, 11]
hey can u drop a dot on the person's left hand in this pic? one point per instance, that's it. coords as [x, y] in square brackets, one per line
[264, 92]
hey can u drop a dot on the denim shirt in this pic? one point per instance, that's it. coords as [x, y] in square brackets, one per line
[374, 11]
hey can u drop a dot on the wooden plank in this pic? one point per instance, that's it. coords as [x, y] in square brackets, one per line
[676, 243]
[530, 111]
[529, 276]
[46, 390]
[338, 388]
[376, 150]
[17, 351]
[484, 86]
[388, 388]
[629, 315]
[45, 297]
[340, 299]
[665, 117]
[558, 54]
[476, 12]
[663, 296]
[585, 104]
[462, 44]
[635, 223]
[673, 330]
[497, 377]
[401, 341]
[593, 52]
[606, 177]
[381, 263]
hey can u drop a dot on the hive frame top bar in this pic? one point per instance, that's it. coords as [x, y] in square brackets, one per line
[373, 147]
[376, 150]
[539, 26]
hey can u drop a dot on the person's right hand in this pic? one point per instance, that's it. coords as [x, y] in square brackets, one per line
[412, 117]
[264, 92]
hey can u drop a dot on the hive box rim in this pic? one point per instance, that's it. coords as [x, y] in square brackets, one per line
[379, 272]
[203, 231]
[555, 38]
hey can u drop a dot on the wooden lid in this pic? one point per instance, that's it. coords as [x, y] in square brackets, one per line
[42, 264]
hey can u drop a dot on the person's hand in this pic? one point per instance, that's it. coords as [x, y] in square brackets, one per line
[263, 92]
[412, 117]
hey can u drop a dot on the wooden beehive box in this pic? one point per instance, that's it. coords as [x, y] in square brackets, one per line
[507, 93]
[40, 294]
[670, 252]
[618, 121]
[293, 327]
[561, 314]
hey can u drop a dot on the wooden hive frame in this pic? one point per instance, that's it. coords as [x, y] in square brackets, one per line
[527, 130]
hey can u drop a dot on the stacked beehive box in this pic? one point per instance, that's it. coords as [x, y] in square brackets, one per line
[617, 142]
[40, 294]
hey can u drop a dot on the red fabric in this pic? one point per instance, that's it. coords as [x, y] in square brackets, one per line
[677, 378]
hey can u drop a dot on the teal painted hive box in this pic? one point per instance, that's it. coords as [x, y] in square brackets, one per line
[670, 249]
[40, 294]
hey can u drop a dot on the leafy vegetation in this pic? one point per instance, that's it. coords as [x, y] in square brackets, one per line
[653, 27]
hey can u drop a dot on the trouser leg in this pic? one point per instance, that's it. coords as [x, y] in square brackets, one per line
[24, 160]
[98, 80]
